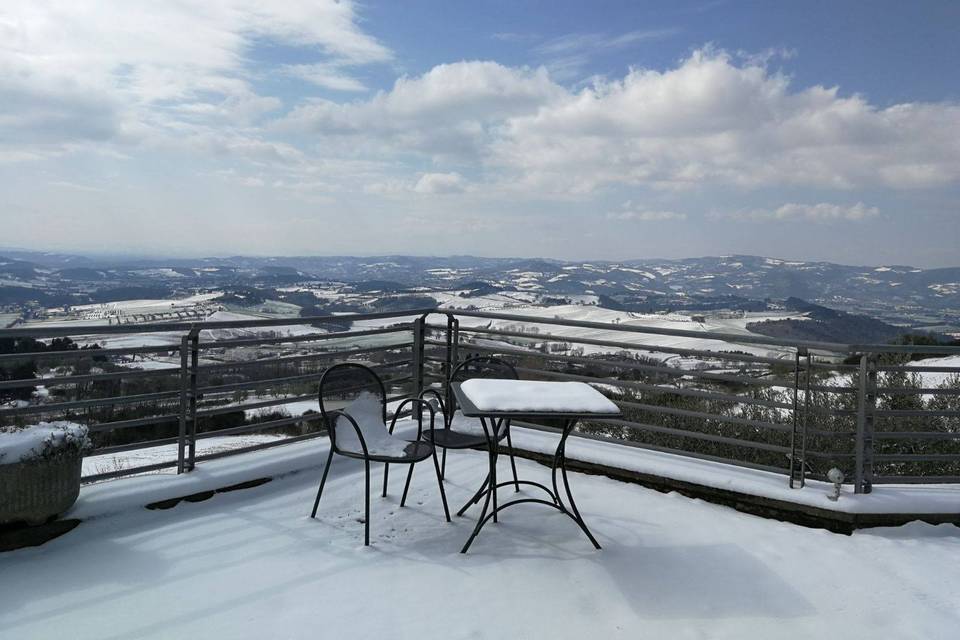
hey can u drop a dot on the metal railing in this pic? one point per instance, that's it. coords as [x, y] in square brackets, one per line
[209, 381]
[793, 407]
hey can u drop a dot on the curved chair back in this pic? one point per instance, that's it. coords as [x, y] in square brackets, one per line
[479, 367]
[341, 384]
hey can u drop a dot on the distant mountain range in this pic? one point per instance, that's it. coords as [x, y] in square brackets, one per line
[902, 295]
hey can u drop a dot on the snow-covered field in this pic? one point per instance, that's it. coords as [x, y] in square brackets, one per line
[170, 338]
[146, 306]
[928, 379]
[590, 313]
[252, 564]
[936, 378]
[103, 314]
[459, 300]
[251, 332]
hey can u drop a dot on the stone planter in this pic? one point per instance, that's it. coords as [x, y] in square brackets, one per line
[38, 490]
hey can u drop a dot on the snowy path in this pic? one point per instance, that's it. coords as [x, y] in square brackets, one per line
[251, 564]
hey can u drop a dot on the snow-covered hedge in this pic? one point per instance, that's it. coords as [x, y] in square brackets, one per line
[43, 441]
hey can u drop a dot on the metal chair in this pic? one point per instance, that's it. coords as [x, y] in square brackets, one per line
[461, 432]
[353, 405]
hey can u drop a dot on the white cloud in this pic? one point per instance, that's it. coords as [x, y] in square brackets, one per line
[628, 212]
[440, 183]
[709, 121]
[821, 212]
[73, 185]
[327, 75]
[123, 71]
[577, 42]
[427, 183]
[512, 36]
[646, 216]
[453, 110]
[566, 56]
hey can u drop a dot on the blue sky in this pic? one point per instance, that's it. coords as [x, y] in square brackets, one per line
[860, 46]
[814, 130]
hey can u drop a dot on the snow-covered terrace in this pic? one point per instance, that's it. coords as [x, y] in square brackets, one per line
[251, 564]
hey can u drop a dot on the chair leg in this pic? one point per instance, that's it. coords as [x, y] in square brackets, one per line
[443, 495]
[323, 480]
[513, 463]
[366, 505]
[386, 473]
[443, 466]
[406, 487]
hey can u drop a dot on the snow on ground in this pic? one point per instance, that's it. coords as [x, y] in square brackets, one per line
[296, 408]
[940, 498]
[932, 498]
[164, 453]
[934, 379]
[252, 564]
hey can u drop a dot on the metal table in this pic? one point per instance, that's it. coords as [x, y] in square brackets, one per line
[493, 420]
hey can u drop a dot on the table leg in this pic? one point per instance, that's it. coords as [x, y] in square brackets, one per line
[572, 510]
[494, 451]
[491, 489]
[557, 457]
[513, 463]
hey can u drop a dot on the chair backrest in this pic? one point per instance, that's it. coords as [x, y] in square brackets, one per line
[343, 383]
[479, 367]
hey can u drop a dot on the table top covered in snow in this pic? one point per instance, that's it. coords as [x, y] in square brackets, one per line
[531, 398]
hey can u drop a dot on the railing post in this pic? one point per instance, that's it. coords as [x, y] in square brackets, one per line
[796, 465]
[455, 351]
[194, 337]
[419, 330]
[866, 405]
[184, 391]
[453, 336]
[448, 356]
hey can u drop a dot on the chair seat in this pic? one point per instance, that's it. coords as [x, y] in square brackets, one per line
[464, 433]
[366, 412]
[415, 451]
[450, 439]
